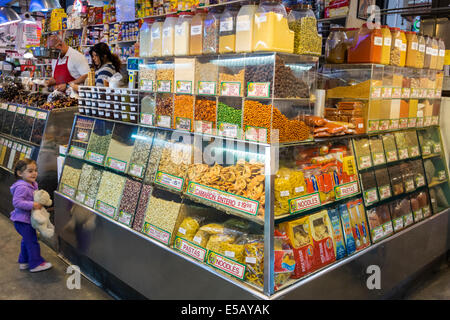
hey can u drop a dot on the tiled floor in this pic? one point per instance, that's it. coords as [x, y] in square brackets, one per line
[16, 284]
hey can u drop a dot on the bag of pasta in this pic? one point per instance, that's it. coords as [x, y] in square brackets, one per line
[213, 228]
[215, 242]
[254, 260]
[284, 259]
[189, 227]
[321, 232]
[234, 251]
[201, 238]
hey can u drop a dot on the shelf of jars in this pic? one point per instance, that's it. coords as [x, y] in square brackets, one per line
[387, 97]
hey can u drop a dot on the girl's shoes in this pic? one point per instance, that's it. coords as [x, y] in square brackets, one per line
[23, 266]
[42, 267]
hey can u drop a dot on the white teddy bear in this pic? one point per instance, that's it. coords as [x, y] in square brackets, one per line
[40, 219]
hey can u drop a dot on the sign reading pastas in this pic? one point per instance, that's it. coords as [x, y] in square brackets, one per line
[346, 190]
[226, 199]
[192, 250]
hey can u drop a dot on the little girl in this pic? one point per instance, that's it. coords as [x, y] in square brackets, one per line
[22, 191]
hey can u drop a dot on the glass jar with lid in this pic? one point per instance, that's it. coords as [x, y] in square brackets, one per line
[336, 46]
[421, 51]
[145, 38]
[271, 31]
[303, 23]
[428, 52]
[197, 23]
[227, 29]
[441, 57]
[183, 34]
[211, 31]
[168, 35]
[387, 42]
[412, 49]
[244, 27]
[366, 46]
[156, 38]
[434, 53]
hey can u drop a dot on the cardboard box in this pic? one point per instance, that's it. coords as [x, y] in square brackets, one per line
[338, 237]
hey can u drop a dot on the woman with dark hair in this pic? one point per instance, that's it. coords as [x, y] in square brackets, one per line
[106, 64]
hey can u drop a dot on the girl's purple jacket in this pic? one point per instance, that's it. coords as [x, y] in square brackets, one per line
[22, 192]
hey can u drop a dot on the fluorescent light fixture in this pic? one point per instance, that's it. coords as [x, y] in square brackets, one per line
[44, 5]
[8, 15]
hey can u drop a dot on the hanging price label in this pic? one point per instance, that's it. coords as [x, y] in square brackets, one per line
[406, 92]
[147, 118]
[427, 121]
[414, 151]
[420, 180]
[80, 197]
[412, 122]
[409, 185]
[437, 148]
[146, 85]
[419, 122]
[68, 190]
[95, 157]
[418, 215]
[426, 150]
[346, 190]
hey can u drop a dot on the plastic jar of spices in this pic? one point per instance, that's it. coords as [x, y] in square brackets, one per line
[196, 41]
[367, 46]
[387, 42]
[421, 51]
[168, 35]
[211, 32]
[336, 46]
[412, 49]
[227, 30]
[244, 28]
[183, 34]
[156, 38]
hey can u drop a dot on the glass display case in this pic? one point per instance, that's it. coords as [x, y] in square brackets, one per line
[260, 97]
[392, 97]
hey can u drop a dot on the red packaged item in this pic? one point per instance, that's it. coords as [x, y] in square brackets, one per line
[284, 258]
[321, 231]
[299, 233]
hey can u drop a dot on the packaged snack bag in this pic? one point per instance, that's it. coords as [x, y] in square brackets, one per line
[362, 222]
[347, 229]
[284, 258]
[321, 231]
[299, 233]
[338, 238]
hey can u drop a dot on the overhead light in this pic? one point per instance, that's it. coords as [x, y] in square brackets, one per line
[44, 5]
[8, 15]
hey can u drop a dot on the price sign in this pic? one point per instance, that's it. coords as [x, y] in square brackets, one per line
[426, 211]
[156, 233]
[442, 175]
[228, 130]
[258, 89]
[207, 88]
[384, 125]
[203, 126]
[42, 115]
[145, 85]
[77, 152]
[435, 120]
[427, 121]
[437, 148]
[414, 151]
[183, 124]
[164, 86]
[95, 157]
[376, 93]
[256, 134]
[226, 265]
[183, 87]
[409, 185]
[346, 190]
[378, 158]
[147, 118]
[190, 249]
[304, 203]
[116, 164]
[163, 121]
[403, 123]
[420, 180]
[408, 219]
[391, 156]
[398, 223]
[169, 181]
[373, 125]
[370, 196]
[223, 198]
[396, 93]
[80, 197]
[21, 110]
[136, 170]
[387, 229]
[68, 190]
[418, 215]
[105, 208]
[377, 233]
[124, 217]
[394, 124]
[365, 162]
[412, 122]
[426, 150]
[385, 192]
[403, 154]
[230, 89]
[12, 108]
